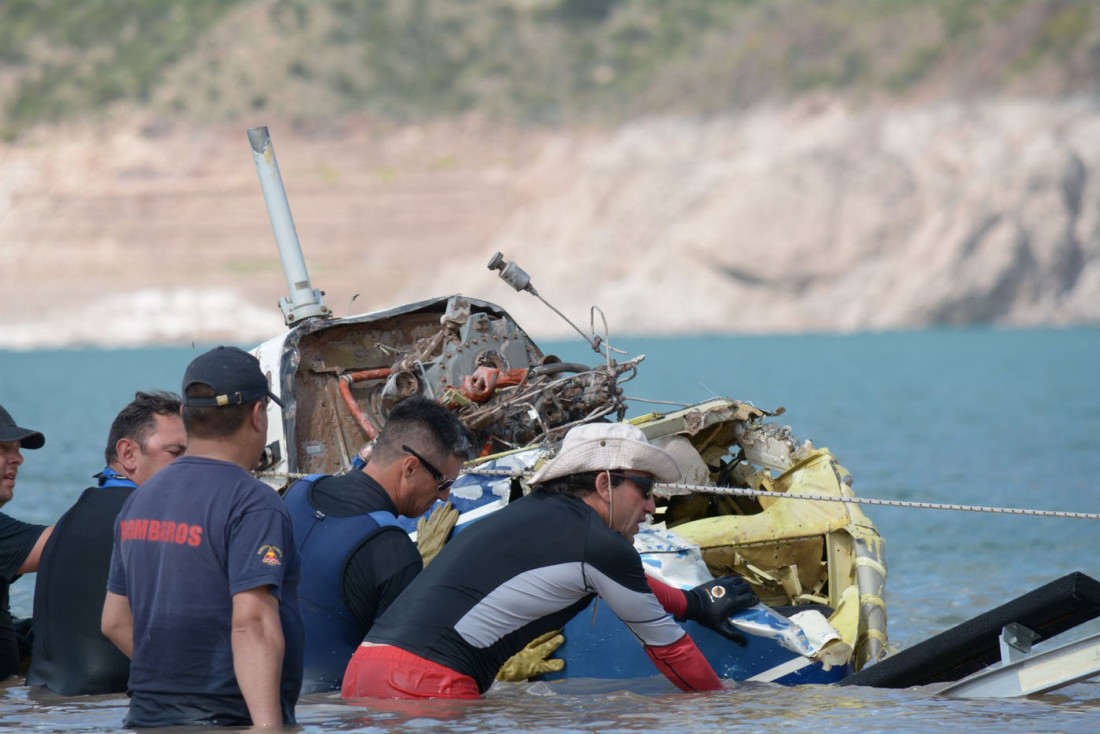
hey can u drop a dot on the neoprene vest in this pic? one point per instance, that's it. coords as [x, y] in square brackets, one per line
[70, 655]
[332, 631]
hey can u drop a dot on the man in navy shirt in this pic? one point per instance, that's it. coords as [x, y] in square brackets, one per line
[203, 587]
[20, 543]
[71, 656]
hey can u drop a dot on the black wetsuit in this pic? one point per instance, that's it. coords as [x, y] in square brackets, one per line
[71, 655]
[355, 567]
[522, 571]
[377, 572]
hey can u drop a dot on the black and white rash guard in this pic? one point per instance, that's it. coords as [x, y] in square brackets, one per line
[525, 570]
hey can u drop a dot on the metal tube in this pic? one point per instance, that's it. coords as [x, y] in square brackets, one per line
[304, 300]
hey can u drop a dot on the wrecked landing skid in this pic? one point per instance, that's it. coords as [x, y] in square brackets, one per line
[990, 655]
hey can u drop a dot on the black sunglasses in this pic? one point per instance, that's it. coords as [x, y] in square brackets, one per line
[442, 482]
[643, 483]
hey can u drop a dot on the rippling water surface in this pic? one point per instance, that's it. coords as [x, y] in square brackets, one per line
[636, 706]
[974, 417]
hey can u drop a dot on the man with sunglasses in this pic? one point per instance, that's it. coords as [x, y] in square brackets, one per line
[532, 566]
[359, 558]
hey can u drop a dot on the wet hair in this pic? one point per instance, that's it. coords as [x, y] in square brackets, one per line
[137, 420]
[424, 426]
[216, 421]
[578, 485]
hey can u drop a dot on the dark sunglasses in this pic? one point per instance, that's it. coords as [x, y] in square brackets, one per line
[643, 483]
[442, 482]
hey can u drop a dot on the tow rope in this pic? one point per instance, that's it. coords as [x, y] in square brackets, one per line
[747, 492]
[888, 503]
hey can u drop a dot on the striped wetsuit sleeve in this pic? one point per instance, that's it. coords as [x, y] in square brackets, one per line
[671, 598]
[635, 605]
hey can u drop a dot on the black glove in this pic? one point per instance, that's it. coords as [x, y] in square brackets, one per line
[712, 603]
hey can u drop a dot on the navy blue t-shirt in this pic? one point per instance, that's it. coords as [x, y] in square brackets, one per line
[196, 533]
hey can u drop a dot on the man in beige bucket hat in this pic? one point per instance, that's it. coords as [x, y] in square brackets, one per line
[530, 567]
[607, 447]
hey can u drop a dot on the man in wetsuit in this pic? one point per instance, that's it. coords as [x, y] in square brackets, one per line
[20, 543]
[531, 567]
[202, 591]
[71, 655]
[359, 558]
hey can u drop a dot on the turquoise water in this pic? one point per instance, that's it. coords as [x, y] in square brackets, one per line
[974, 417]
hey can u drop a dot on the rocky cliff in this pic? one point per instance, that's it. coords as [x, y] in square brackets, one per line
[812, 215]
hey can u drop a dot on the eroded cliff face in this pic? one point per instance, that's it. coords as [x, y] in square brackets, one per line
[808, 217]
[818, 218]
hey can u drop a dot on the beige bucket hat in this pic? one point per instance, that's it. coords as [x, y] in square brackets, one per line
[600, 446]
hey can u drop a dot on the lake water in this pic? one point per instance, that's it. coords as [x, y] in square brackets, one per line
[974, 417]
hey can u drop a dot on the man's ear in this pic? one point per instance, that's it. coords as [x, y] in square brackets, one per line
[127, 451]
[603, 485]
[258, 409]
[409, 465]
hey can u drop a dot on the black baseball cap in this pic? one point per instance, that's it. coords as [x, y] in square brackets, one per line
[27, 438]
[233, 374]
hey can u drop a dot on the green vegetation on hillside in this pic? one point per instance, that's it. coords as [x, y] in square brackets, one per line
[527, 60]
[69, 58]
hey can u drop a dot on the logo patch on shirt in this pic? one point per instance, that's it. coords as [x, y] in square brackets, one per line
[271, 555]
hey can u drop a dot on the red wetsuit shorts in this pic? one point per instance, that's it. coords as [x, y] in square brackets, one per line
[385, 671]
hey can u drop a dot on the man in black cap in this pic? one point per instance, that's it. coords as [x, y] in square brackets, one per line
[203, 587]
[20, 543]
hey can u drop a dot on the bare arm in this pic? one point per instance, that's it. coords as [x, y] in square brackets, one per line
[117, 623]
[30, 563]
[258, 647]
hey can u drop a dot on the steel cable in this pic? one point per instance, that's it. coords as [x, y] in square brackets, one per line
[747, 492]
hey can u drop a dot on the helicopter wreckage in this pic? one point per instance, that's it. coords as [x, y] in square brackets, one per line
[754, 500]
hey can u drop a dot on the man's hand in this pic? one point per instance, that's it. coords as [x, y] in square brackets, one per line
[534, 660]
[712, 603]
[432, 531]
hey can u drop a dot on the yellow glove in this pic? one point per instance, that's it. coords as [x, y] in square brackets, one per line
[534, 660]
[432, 531]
